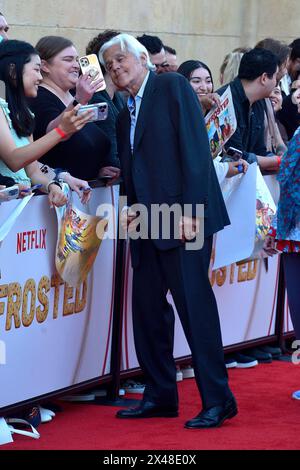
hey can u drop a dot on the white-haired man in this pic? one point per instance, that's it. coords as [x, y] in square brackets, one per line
[165, 159]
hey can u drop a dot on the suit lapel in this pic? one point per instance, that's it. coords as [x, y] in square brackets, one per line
[145, 107]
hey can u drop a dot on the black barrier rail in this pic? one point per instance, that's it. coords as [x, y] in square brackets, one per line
[112, 398]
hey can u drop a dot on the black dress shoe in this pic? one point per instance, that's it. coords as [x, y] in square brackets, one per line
[260, 355]
[147, 409]
[213, 417]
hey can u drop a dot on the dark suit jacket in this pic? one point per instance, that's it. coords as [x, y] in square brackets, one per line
[171, 161]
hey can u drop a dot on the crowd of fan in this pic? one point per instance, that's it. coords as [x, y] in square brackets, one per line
[44, 140]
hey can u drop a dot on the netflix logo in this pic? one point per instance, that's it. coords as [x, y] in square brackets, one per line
[33, 240]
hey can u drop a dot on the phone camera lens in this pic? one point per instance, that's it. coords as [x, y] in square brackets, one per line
[84, 62]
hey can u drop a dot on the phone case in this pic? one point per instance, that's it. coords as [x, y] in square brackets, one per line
[90, 64]
[100, 111]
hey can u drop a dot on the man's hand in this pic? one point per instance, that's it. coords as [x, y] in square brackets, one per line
[127, 220]
[111, 171]
[269, 246]
[189, 227]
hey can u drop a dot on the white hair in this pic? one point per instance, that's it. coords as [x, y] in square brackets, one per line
[129, 44]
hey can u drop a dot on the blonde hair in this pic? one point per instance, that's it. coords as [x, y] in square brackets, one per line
[232, 67]
[232, 59]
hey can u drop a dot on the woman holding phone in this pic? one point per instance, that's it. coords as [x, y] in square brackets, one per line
[110, 95]
[20, 71]
[86, 154]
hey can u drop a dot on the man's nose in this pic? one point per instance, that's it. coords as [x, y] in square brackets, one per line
[115, 66]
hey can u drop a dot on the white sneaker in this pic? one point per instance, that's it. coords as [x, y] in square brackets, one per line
[188, 372]
[131, 386]
[244, 361]
[46, 415]
[230, 363]
[296, 395]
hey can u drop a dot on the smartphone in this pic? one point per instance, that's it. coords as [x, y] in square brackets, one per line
[100, 111]
[234, 153]
[90, 64]
[7, 194]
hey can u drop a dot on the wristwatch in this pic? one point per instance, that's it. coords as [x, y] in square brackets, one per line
[57, 183]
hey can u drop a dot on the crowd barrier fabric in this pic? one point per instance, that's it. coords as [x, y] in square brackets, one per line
[246, 295]
[52, 336]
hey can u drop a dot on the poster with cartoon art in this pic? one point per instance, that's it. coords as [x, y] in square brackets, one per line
[79, 239]
[221, 123]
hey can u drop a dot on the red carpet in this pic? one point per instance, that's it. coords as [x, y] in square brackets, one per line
[268, 419]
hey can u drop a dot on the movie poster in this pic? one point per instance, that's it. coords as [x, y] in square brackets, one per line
[79, 239]
[221, 123]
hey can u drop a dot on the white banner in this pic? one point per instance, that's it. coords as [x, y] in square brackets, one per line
[52, 335]
[236, 241]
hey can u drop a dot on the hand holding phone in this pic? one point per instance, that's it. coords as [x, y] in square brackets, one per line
[100, 111]
[89, 64]
[234, 153]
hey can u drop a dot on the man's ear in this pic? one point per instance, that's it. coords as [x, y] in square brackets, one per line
[144, 59]
[44, 66]
[264, 78]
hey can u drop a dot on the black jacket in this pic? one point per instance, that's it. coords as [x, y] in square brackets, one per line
[171, 161]
[249, 135]
[108, 126]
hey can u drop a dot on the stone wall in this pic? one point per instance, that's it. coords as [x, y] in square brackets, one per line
[197, 29]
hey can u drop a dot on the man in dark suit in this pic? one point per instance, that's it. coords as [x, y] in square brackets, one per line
[165, 158]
